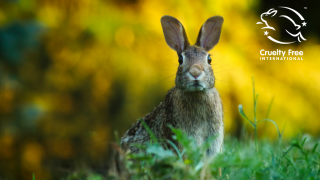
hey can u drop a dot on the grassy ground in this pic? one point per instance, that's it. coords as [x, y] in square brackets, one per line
[239, 160]
[299, 159]
[249, 158]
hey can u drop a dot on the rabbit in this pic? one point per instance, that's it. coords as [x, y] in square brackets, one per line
[193, 104]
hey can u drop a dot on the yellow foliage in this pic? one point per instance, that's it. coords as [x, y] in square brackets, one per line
[107, 64]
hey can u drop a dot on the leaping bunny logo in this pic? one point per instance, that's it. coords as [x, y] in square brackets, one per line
[272, 12]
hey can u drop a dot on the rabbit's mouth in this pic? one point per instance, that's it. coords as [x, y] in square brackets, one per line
[196, 86]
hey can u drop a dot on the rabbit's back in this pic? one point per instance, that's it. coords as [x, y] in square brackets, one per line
[157, 121]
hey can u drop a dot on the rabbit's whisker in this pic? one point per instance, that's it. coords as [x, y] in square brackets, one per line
[220, 67]
[221, 80]
[163, 80]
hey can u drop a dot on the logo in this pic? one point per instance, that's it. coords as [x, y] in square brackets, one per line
[296, 25]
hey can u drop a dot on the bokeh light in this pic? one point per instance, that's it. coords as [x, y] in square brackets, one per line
[74, 72]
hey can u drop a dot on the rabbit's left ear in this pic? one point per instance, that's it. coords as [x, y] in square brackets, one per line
[209, 34]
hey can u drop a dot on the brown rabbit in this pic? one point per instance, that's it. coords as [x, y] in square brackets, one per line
[194, 104]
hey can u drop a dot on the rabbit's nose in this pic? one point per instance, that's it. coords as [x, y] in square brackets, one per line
[195, 70]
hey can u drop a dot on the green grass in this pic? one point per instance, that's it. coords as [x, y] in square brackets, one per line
[239, 160]
[297, 160]
[245, 159]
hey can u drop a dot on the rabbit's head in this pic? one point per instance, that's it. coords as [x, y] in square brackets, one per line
[194, 71]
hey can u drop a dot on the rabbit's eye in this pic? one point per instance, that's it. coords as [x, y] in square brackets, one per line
[209, 59]
[180, 59]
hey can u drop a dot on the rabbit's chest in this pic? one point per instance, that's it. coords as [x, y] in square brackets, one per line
[201, 132]
[198, 127]
[199, 115]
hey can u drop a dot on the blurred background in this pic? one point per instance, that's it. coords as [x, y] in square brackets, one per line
[74, 72]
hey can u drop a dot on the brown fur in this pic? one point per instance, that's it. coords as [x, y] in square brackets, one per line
[193, 105]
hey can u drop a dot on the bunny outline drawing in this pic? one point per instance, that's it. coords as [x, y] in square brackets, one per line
[272, 12]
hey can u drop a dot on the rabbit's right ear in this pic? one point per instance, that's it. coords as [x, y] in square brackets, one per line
[174, 33]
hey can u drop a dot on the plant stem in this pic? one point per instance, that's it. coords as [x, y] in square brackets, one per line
[255, 97]
[256, 138]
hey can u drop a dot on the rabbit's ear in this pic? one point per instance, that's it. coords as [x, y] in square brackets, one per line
[174, 33]
[209, 34]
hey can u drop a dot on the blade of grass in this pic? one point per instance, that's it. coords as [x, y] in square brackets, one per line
[255, 99]
[280, 140]
[175, 148]
[304, 140]
[254, 96]
[283, 129]
[153, 137]
[269, 108]
[274, 123]
[255, 108]
[243, 115]
[315, 147]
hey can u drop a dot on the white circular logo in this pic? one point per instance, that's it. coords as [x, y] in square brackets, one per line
[272, 12]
